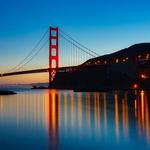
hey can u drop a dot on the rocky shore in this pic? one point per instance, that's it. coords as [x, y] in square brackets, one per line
[6, 92]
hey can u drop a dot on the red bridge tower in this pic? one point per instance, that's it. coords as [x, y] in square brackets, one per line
[53, 53]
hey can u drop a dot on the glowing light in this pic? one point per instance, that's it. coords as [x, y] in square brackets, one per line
[147, 56]
[117, 60]
[124, 60]
[89, 63]
[144, 76]
[135, 86]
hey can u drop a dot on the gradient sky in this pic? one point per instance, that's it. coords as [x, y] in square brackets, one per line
[102, 25]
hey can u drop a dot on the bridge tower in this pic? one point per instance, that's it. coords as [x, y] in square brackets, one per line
[53, 53]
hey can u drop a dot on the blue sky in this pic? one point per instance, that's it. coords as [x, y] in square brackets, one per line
[102, 25]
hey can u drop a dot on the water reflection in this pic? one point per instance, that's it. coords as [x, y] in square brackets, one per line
[53, 119]
[105, 113]
[88, 117]
[125, 115]
[142, 111]
[62, 117]
[116, 115]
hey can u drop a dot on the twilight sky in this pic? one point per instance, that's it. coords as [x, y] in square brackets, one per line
[102, 25]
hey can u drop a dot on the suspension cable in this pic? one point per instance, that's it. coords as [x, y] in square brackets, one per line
[77, 46]
[33, 55]
[30, 53]
[78, 43]
[34, 52]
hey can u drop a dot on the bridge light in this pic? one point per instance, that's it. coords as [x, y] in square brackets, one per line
[105, 62]
[127, 58]
[139, 56]
[124, 60]
[135, 86]
[144, 76]
[147, 56]
[88, 63]
[117, 60]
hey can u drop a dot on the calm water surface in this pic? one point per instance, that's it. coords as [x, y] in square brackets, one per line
[50, 119]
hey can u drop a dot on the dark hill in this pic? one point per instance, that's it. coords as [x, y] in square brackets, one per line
[119, 70]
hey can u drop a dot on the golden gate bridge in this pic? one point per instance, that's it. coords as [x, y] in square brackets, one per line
[72, 65]
[65, 55]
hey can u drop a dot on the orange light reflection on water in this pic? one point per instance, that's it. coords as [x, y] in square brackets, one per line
[88, 116]
[105, 113]
[55, 110]
[79, 110]
[116, 115]
[125, 115]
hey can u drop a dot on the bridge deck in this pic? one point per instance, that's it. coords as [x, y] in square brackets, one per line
[61, 69]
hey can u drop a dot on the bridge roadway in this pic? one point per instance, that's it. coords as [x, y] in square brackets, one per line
[81, 67]
[61, 69]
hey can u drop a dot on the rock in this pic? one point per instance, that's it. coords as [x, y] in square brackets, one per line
[4, 92]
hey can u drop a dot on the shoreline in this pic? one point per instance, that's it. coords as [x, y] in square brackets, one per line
[7, 92]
